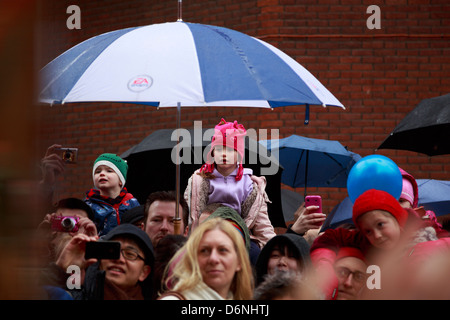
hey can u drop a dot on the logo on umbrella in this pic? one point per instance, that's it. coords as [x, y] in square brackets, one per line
[140, 83]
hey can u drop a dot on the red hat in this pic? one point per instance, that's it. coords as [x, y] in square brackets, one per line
[227, 134]
[378, 200]
[350, 252]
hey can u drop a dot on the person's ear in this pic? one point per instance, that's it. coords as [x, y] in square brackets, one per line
[146, 269]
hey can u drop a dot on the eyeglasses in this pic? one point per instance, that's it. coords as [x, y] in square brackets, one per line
[131, 254]
[344, 273]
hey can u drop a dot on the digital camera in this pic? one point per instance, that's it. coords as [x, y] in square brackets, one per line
[69, 155]
[65, 223]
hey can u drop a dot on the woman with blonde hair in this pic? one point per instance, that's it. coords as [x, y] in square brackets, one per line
[212, 265]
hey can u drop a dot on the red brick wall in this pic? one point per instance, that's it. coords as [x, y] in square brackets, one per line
[379, 75]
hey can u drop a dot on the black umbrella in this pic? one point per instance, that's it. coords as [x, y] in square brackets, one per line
[426, 129]
[151, 165]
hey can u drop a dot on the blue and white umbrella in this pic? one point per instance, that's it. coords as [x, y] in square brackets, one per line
[179, 63]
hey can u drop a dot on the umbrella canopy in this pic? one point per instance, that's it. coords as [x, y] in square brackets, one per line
[312, 162]
[341, 214]
[425, 129]
[180, 63]
[434, 195]
[290, 201]
[151, 166]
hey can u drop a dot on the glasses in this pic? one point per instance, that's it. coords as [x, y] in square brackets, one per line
[344, 273]
[130, 254]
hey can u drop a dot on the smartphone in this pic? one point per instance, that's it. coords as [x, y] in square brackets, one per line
[69, 155]
[102, 250]
[314, 201]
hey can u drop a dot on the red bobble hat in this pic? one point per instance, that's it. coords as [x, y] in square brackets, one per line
[378, 200]
[345, 252]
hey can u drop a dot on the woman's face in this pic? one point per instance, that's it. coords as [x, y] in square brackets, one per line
[380, 228]
[218, 261]
[280, 259]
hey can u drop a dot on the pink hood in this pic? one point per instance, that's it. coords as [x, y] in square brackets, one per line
[413, 181]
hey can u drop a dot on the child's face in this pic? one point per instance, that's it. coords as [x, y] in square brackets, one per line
[380, 228]
[225, 155]
[106, 178]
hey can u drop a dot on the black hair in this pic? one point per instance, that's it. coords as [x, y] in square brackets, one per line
[75, 203]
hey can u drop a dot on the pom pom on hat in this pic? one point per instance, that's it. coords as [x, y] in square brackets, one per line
[378, 200]
[115, 162]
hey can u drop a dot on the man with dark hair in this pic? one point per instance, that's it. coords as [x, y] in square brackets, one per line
[159, 215]
[76, 204]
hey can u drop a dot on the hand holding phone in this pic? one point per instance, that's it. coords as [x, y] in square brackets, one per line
[314, 201]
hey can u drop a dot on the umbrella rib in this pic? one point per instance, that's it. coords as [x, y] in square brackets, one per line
[296, 170]
[339, 172]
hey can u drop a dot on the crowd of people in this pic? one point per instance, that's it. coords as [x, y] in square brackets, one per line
[226, 246]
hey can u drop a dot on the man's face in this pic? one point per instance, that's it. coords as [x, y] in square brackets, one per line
[160, 220]
[351, 274]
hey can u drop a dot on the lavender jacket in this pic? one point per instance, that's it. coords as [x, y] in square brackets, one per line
[253, 209]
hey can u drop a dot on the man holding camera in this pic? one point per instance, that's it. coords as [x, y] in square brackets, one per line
[126, 274]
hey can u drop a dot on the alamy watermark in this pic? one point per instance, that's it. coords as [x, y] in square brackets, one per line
[374, 21]
[189, 147]
[74, 20]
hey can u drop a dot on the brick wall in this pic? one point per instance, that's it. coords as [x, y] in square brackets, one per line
[379, 75]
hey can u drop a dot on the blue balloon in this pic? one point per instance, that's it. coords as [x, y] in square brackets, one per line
[374, 172]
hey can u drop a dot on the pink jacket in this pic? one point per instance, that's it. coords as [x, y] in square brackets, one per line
[254, 210]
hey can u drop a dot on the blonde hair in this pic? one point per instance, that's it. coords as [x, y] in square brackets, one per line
[183, 271]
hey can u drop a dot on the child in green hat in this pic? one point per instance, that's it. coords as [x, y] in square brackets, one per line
[109, 198]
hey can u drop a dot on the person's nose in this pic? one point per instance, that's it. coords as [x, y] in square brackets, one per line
[348, 282]
[282, 261]
[165, 225]
[214, 257]
[377, 234]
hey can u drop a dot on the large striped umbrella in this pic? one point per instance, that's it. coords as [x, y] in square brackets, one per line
[177, 62]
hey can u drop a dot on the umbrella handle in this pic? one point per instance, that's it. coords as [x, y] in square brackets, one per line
[176, 225]
[177, 219]
[306, 114]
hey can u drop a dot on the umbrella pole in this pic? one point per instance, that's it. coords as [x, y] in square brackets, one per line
[306, 173]
[180, 10]
[177, 219]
